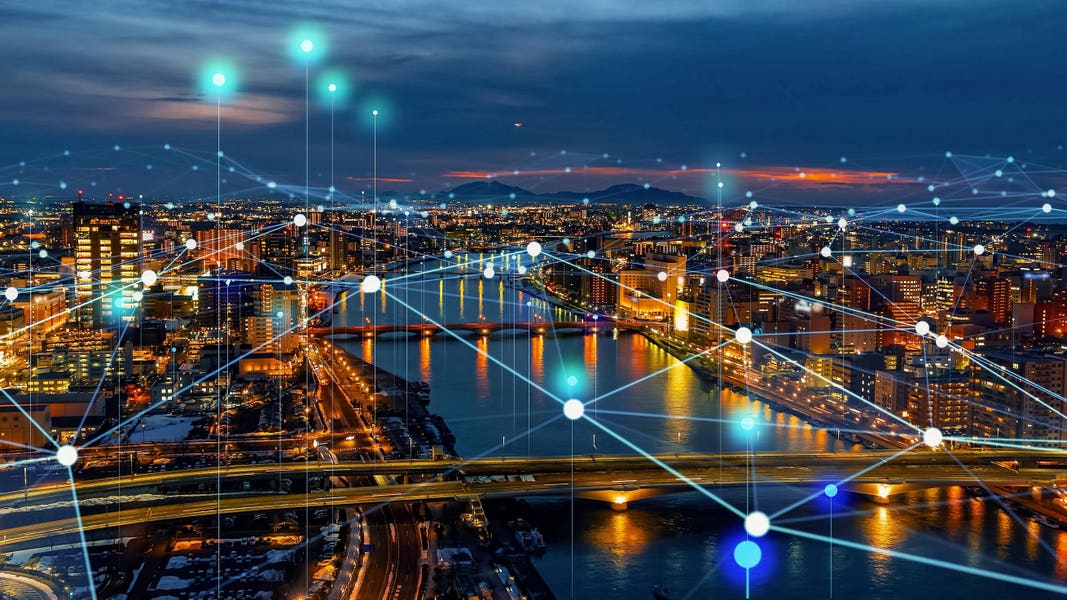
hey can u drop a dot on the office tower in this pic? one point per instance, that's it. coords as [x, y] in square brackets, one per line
[107, 261]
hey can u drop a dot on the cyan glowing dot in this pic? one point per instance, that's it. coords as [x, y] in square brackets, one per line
[573, 409]
[62, 185]
[901, 208]
[932, 437]
[566, 241]
[11, 293]
[511, 195]
[392, 204]
[722, 275]
[747, 554]
[572, 381]
[922, 327]
[751, 205]
[998, 173]
[830, 490]
[287, 280]
[1046, 207]
[930, 188]
[948, 155]
[1051, 193]
[43, 253]
[681, 219]
[67, 455]
[743, 335]
[307, 46]
[826, 252]
[937, 201]
[448, 254]
[190, 244]
[662, 276]
[585, 200]
[941, 341]
[14, 181]
[211, 216]
[300, 220]
[1011, 159]
[953, 220]
[271, 185]
[166, 146]
[117, 148]
[126, 205]
[851, 212]
[747, 423]
[218, 79]
[279, 314]
[757, 524]
[34, 245]
[196, 167]
[979, 249]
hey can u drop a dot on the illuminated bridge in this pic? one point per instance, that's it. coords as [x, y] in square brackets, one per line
[485, 328]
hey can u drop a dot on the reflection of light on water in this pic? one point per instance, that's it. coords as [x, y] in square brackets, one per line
[1033, 536]
[537, 358]
[462, 297]
[368, 349]
[679, 403]
[481, 366]
[1004, 533]
[882, 530]
[424, 359]
[621, 536]
[956, 500]
[1060, 544]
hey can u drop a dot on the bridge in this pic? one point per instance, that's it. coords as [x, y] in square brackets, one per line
[485, 328]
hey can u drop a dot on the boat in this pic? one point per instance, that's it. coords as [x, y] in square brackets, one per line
[1047, 522]
[660, 592]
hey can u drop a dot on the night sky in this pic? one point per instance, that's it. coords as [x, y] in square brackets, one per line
[764, 86]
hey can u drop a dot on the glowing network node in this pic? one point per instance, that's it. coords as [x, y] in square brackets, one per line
[757, 524]
[922, 328]
[1046, 207]
[722, 275]
[521, 270]
[743, 335]
[937, 201]
[448, 254]
[11, 293]
[333, 88]
[149, 278]
[218, 79]
[1051, 193]
[932, 437]
[739, 228]
[239, 246]
[662, 276]
[138, 296]
[842, 223]
[307, 46]
[747, 423]
[747, 554]
[752, 205]
[374, 112]
[901, 208]
[287, 280]
[489, 272]
[572, 381]
[979, 249]
[954, 220]
[67, 455]
[43, 253]
[190, 244]
[826, 252]
[591, 254]
[573, 409]
[370, 284]
[830, 490]
[300, 220]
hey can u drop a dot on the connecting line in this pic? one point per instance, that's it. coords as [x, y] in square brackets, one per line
[836, 385]
[100, 384]
[81, 532]
[842, 482]
[1005, 508]
[1005, 443]
[1023, 581]
[25, 462]
[684, 361]
[659, 463]
[473, 347]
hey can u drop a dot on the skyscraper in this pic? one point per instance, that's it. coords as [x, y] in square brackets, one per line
[107, 256]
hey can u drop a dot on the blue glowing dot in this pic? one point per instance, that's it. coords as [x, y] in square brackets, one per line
[747, 554]
[14, 182]
[442, 206]
[566, 241]
[271, 185]
[166, 146]
[22, 163]
[66, 153]
[117, 148]
[126, 205]
[231, 169]
[450, 197]
[62, 185]
[1011, 159]
[830, 490]
[930, 188]
[743, 155]
[148, 166]
[647, 186]
[572, 381]
[748, 423]
[585, 200]
[511, 195]
[221, 154]
[685, 167]
[948, 155]
[844, 160]
[748, 194]
[196, 167]
[998, 173]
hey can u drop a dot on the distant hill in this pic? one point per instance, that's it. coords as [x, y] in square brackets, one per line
[625, 193]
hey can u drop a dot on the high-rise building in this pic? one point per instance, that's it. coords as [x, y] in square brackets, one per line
[107, 257]
[994, 295]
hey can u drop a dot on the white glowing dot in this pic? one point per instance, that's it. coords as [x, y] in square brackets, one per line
[941, 341]
[300, 220]
[521, 270]
[1051, 193]
[739, 228]
[954, 220]
[752, 205]
[190, 244]
[591, 253]
[218, 79]
[43, 253]
[932, 437]
[979, 249]
[722, 275]
[371, 284]
[374, 112]
[901, 208]
[922, 328]
[332, 87]
[842, 223]
[138, 296]
[757, 524]
[11, 293]
[573, 409]
[287, 280]
[149, 278]
[826, 252]
[489, 272]
[1046, 207]
[743, 335]
[533, 249]
[662, 276]
[239, 246]
[67, 455]
[448, 254]
[307, 45]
